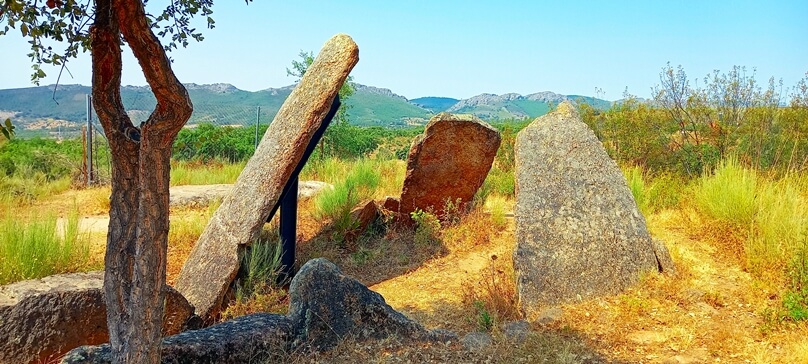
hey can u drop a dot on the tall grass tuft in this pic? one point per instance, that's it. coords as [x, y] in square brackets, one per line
[359, 184]
[204, 173]
[34, 247]
[728, 195]
[257, 288]
[636, 183]
[493, 296]
[768, 216]
[653, 192]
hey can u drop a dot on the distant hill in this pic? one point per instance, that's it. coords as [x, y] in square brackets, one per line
[39, 109]
[373, 106]
[435, 104]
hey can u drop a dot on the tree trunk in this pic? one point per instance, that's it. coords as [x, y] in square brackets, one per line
[135, 261]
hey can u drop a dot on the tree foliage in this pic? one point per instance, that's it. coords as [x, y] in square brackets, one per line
[7, 128]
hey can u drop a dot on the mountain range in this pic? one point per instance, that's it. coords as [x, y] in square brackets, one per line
[42, 109]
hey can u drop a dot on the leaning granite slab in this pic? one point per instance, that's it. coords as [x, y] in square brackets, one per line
[203, 195]
[578, 229]
[42, 319]
[214, 260]
[449, 161]
[325, 307]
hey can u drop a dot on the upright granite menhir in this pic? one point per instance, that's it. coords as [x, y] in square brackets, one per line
[214, 261]
[578, 229]
[449, 161]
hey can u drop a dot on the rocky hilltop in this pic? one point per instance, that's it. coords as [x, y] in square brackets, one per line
[379, 91]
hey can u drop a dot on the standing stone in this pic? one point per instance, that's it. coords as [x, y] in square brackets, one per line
[214, 261]
[449, 161]
[42, 319]
[578, 229]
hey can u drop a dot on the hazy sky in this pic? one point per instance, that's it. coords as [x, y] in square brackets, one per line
[463, 48]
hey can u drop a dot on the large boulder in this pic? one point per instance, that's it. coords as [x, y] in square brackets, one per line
[325, 307]
[256, 338]
[214, 260]
[578, 229]
[449, 161]
[44, 318]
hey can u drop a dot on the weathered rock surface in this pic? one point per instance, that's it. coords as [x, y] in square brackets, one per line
[203, 195]
[364, 216]
[325, 307]
[197, 195]
[578, 229]
[449, 161]
[475, 341]
[516, 331]
[44, 318]
[257, 338]
[214, 260]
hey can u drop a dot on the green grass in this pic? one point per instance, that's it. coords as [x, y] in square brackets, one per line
[34, 247]
[768, 215]
[208, 173]
[358, 184]
[728, 195]
[654, 193]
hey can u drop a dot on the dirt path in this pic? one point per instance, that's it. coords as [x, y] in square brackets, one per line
[433, 294]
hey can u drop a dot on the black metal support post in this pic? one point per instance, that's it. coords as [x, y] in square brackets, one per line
[288, 201]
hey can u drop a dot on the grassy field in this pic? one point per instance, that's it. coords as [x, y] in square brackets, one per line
[737, 236]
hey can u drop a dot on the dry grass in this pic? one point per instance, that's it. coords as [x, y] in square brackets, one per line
[712, 311]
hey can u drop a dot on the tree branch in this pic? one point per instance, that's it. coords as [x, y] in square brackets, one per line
[173, 102]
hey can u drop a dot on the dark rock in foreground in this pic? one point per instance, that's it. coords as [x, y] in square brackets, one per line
[41, 319]
[326, 306]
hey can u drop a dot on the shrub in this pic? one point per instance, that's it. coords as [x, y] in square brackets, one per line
[207, 141]
[427, 228]
[27, 158]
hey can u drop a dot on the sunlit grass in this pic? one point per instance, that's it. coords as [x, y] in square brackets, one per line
[768, 216]
[35, 247]
[204, 173]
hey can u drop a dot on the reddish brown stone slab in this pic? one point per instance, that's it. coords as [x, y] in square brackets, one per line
[449, 161]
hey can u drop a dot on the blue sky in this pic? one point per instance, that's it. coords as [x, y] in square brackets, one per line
[463, 48]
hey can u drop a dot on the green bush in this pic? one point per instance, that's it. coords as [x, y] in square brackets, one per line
[210, 142]
[26, 158]
[427, 228]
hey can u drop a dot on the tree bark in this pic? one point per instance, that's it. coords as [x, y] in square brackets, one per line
[135, 261]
